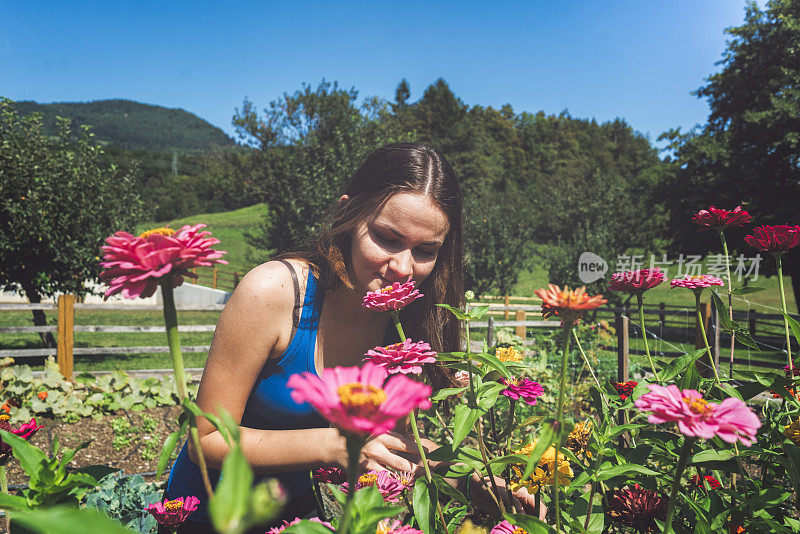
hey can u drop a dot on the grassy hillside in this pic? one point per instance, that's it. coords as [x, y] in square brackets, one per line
[229, 227]
[132, 125]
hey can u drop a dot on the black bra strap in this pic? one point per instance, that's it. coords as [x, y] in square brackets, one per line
[298, 306]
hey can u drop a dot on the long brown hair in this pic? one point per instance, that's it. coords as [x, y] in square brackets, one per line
[391, 169]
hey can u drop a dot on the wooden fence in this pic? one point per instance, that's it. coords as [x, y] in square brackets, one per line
[502, 314]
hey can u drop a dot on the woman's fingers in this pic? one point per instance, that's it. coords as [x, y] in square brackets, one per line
[376, 451]
[398, 442]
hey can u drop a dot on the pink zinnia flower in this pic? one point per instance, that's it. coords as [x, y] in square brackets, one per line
[392, 298]
[719, 219]
[774, 239]
[296, 520]
[504, 527]
[406, 357]
[173, 513]
[135, 265]
[636, 281]
[522, 388]
[330, 475]
[25, 431]
[731, 419]
[387, 526]
[696, 282]
[389, 486]
[357, 401]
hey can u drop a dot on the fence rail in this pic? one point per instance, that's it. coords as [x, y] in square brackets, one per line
[500, 314]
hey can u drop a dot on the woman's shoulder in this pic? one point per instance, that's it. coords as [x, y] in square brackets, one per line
[272, 284]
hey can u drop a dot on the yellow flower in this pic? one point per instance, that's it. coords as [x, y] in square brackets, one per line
[161, 231]
[545, 473]
[509, 354]
[793, 432]
[578, 439]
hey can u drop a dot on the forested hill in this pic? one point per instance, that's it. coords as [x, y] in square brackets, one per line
[132, 125]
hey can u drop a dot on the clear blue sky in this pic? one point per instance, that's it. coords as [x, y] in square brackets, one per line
[638, 60]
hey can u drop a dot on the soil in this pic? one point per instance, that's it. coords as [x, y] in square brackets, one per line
[132, 458]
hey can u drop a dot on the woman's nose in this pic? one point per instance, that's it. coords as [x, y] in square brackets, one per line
[401, 264]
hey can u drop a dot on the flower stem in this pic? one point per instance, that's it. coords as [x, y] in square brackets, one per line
[640, 302]
[730, 296]
[4, 488]
[705, 338]
[171, 324]
[783, 308]
[586, 360]
[682, 461]
[558, 423]
[413, 421]
[353, 453]
[592, 490]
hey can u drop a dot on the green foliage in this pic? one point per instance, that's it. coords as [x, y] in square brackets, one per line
[124, 499]
[87, 396]
[58, 202]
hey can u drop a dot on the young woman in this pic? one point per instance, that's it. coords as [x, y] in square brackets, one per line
[399, 217]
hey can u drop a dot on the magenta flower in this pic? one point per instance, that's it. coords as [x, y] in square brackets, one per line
[392, 298]
[296, 520]
[173, 513]
[389, 486]
[25, 431]
[504, 527]
[406, 357]
[135, 265]
[696, 282]
[774, 239]
[330, 475]
[636, 281]
[357, 401]
[731, 419]
[636, 507]
[522, 388]
[387, 526]
[719, 219]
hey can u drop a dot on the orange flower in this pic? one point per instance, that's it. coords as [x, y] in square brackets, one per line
[42, 395]
[6, 407]
[569, 305]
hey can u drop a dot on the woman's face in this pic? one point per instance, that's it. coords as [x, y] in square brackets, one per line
[402, 240]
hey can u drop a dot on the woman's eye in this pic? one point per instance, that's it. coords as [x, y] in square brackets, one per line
[428, 253]
[383, 239]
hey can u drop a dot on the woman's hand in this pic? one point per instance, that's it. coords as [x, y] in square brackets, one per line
[388, 451]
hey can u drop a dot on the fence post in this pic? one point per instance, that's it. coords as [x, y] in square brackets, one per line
[520, 316]
[214, 274]
[623, 343]
[490, 332]
[506, 303]
[752, 323]
[703, 367]
[662, 316]
[235, 279]
[196, 279]
[66, 320]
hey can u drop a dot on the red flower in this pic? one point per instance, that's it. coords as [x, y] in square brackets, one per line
[774, 239]
[392, 298]
[713, 483]
[330, 475]
[720, 219]
[625, 389]
[26, 431]
[636, 281]
[636, 507]
[42, 395]
[173, 513]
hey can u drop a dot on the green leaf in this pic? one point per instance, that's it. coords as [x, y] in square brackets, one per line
[722, 311]
[223, 429]
[68, 520]
[793, 467]
[544, 441]
[690, 379]
[529, 523]
[13, 502]
[424, 505]
[623, 469]
[447, 392]
[679, 364]
[794, 325]
[228, 506]
[31, 458]
[307, 527]
[169, 447]
[478, 311]
[748, 289]
[463, 421]
[492, 362]
[712, 456]
[744, 337]
[447, 489]
[460, 314]
[768, 497]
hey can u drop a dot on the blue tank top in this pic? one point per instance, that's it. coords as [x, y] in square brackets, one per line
[269, 407]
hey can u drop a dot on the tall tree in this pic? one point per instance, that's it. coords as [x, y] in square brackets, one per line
[749, 150]
[58, 202]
